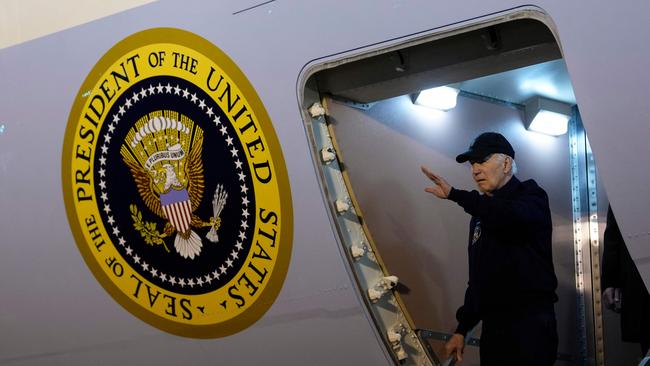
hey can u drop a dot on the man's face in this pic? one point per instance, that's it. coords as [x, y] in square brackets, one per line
[490, 174]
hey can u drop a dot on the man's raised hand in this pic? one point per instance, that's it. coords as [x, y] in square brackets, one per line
[441, 188]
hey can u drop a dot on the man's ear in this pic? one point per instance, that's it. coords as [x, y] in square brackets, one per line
[507, 165]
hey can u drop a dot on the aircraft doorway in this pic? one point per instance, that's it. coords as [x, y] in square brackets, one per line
[374, 138]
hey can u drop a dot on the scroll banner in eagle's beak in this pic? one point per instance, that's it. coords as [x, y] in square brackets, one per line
[174, 153]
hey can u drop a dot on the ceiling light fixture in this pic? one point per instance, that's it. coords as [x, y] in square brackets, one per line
[442, 98]
[547, 116]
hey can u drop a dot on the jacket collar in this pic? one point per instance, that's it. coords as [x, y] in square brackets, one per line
[508, 188]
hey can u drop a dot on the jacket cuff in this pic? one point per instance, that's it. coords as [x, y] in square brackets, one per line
[462, 329]
[453, 194]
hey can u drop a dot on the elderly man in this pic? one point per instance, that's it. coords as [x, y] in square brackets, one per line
[512, 281]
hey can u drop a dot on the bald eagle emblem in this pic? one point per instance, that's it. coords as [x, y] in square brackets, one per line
[163, 155]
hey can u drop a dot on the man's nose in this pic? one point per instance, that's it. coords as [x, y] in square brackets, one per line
[475, 169]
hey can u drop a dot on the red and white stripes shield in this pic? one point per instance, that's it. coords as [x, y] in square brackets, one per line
[178, 209]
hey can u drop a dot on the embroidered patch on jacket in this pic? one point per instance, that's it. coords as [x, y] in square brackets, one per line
[477, 232]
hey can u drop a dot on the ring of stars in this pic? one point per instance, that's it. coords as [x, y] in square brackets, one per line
[224, 267]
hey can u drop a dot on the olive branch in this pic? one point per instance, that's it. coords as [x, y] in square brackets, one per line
[147, 229]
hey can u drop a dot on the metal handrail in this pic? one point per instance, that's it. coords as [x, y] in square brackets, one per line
[425, 334]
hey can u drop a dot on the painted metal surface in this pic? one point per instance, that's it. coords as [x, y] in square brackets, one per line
[318, 317]
[550, 80]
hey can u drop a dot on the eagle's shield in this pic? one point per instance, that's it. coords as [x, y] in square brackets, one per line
[177, 207]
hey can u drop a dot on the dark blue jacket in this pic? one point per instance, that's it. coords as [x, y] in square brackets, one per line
[510, 252]
[619, 271]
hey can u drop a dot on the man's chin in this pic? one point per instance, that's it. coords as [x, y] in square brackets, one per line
[483, 189]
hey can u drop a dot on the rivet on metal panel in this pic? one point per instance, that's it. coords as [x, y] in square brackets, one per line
[358, 251]
[394, 336]
[316, 110]
[382, 287]
[327, 154]
[401, 354]
[342, 205]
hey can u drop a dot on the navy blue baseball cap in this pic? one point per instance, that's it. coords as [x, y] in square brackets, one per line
[484, 145]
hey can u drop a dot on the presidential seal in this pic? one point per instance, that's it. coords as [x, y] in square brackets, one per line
[175, 186]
